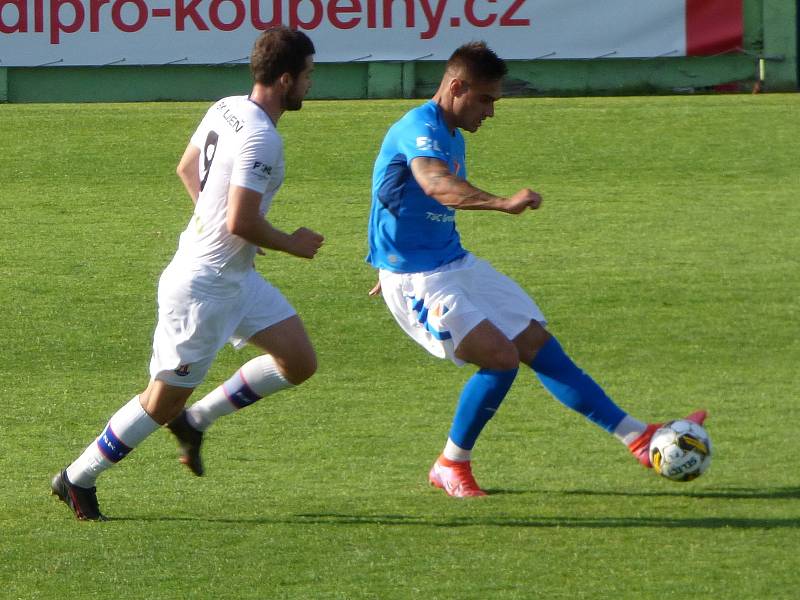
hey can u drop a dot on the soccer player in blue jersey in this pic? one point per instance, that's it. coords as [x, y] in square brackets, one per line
[452, 303]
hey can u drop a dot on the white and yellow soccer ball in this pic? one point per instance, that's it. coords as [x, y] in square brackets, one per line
[680, 450]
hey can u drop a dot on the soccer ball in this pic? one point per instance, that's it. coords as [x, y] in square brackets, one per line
[680, 450]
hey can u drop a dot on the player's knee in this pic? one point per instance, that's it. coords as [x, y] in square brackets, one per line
[501, 358]
[302, 368]
[170, 414]
[507, 358]
[498, 355]
[163, 402]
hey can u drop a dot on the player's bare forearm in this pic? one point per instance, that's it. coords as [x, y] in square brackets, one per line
[264, 235]
[188, 171]
[303, 242]
[448, 189]
[244, 219]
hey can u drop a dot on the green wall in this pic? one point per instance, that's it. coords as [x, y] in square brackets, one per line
[780, 25]
[770, 47]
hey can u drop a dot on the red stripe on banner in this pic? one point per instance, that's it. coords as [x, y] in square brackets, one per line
[713, 26]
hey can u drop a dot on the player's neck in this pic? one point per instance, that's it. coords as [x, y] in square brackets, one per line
[445, 106]
[269, 100]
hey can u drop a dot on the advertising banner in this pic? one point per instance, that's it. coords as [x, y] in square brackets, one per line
[135, 32]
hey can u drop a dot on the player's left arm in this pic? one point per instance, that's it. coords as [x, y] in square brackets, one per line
[437, 182]
[245, 220]
[189, 171]
[255, 163]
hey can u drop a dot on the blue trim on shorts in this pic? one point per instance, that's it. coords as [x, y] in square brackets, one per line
[439, 335]
[418, 306]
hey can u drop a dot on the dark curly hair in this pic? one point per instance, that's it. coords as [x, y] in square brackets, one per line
[279, 50]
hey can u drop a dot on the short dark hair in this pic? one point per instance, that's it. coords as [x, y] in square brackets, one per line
[475, 60]
[279, 50]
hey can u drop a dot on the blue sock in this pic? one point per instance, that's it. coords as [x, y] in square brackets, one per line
[574, 388]
[479, 400]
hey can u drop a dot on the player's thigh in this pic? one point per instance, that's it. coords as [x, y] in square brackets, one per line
[190, 331]
[486, 346]
[290, 346]
[264, 306]
[508, 306]
[433, 311]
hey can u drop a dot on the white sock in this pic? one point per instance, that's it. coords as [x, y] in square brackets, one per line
[126, 429]
[629, 429]
[257, 378]
[456, 453]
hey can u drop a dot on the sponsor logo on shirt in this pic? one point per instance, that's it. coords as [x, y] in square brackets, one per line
[439, 217]
[262, 170]
[426, 143]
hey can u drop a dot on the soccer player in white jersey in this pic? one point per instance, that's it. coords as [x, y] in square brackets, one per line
[211, 293]
[452, 303]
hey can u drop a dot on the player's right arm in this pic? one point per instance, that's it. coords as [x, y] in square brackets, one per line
[437, 182]
[245, 220]
[189, 171]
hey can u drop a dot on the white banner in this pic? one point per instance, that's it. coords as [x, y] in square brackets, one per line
[135, 32]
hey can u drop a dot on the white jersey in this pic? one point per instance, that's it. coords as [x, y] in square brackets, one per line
[239, 146]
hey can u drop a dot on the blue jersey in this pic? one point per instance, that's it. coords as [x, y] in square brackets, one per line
[410, 232]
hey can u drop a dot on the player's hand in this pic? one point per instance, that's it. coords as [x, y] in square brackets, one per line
[522, 200]
[376, 289]
[305, 243]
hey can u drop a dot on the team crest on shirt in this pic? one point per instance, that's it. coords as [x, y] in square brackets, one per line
[182, 371]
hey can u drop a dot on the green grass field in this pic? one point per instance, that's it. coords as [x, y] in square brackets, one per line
[665, 257]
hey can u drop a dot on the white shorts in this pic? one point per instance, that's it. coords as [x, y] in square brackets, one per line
[439, 308]
[195, 322]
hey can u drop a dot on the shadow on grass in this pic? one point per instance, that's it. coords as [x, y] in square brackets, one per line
[733, 493]
[489, 521]
[599, 522]
[546, 522]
